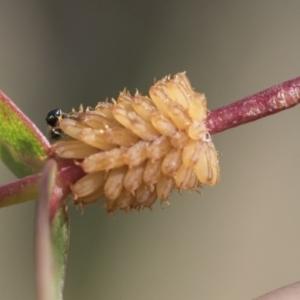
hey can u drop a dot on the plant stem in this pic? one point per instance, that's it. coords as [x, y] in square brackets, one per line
[68, 173]
[26, 189]
[19, 191]
[251, 108]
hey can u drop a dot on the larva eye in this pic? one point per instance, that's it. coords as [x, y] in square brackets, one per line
[53, 117]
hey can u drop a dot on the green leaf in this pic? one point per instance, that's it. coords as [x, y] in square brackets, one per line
[23, 148]
[60, 234]
[52, 237]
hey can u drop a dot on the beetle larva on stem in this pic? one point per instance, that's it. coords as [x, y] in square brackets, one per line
[138, 148]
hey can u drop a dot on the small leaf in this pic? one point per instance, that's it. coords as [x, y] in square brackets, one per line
[60, 235]
[45, 267]
[52, 238]
[23, 148]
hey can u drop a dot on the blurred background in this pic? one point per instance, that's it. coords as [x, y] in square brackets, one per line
[241, 238]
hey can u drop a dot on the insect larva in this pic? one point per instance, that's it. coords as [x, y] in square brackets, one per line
[138, 148]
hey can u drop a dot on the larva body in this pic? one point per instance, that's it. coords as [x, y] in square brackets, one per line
[139, 148]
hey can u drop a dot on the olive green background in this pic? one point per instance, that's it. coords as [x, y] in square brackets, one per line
[237, 241]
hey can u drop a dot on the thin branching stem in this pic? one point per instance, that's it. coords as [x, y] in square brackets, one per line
[251, 108]
[26, 189]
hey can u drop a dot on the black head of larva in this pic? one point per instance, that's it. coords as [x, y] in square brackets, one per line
[53, 117]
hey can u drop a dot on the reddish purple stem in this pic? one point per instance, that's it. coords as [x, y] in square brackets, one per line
[251, 108]
[68, 173]
[26, 189]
